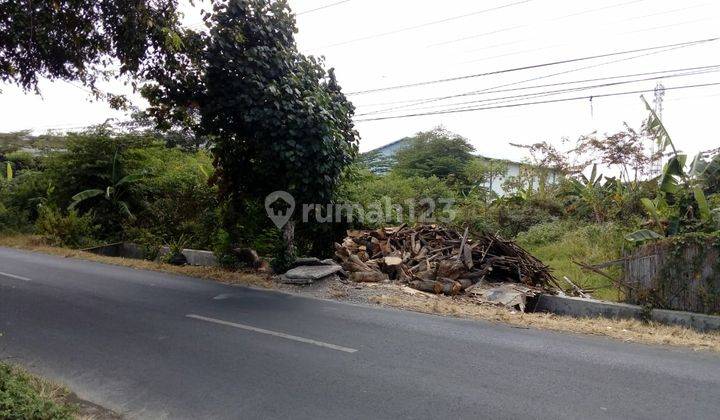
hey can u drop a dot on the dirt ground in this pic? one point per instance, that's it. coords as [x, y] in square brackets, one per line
[402, 297]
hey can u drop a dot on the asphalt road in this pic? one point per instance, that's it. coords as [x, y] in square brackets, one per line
[153, 345]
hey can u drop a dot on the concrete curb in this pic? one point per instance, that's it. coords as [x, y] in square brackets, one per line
[566, 305]
[131, 250]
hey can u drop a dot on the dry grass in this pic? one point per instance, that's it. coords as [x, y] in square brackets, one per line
[410, 299]
[36, 243]
[626, 330]
[45, 389]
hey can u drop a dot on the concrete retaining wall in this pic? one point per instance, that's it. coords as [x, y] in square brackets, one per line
[565, 305]
[130, 250]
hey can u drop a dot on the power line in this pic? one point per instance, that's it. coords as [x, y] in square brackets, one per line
[532, 79]
[612, 6]
[577, 98]
[304, 12]
[321, 7]
[528, 67]
[465, 38]
[452, 41]
[597, 79]
[565, 44]
[412, 28]
[566, 90]
[665, 12]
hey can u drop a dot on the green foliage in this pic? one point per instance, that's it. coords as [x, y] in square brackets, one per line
[149, 243]
[510, 217]
[113, 192]
[282, 258]
[641, 236]
[381, 192]
[21, 161]
[176, 246]
[559, 243]
[19, 140]
[680, 204]
[376, 162]
[437, 153]
[223, 250]
[21, 398]
[78, 39]
[481, 174]
[70, 230]
[177, 199]
[277, 118]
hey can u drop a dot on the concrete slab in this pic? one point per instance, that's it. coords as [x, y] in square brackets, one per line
[312, 272]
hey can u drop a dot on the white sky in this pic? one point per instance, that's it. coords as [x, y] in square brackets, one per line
[529, 32]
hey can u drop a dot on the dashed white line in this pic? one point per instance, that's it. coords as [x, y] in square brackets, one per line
[273, 333]
[13, 276]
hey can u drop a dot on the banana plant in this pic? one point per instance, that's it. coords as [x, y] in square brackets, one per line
[591, 192]
[674, 178]
[113, 192]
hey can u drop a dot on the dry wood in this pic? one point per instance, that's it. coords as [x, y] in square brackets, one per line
[439, 260]
[368, 277]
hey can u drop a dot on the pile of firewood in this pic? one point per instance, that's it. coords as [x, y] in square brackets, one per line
[438, 260]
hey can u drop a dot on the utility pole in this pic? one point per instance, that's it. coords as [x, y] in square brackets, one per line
[656, 165]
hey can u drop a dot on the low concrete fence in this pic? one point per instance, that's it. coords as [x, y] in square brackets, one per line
[680, 273]
[590, 308]
[131, 250]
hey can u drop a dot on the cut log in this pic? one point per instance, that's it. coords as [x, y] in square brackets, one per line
[368, 277]
[448, 287]
[451, 269]
[392, 261]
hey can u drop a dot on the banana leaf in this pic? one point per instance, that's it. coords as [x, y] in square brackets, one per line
[674, 169]
[643, 235]
[82, 196]
[702, 204]
[657, 129]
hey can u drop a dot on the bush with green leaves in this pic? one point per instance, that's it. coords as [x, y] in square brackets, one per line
[70, 230]
[372, 191]
[22, 397]
[223, 250]
[437, 152]
[176, 200]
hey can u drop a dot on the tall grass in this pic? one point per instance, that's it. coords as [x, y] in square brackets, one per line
[559, 243]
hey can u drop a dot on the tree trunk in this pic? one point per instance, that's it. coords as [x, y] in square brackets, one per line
[288, 233]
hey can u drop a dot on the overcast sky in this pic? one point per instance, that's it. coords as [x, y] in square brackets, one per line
[385, 43]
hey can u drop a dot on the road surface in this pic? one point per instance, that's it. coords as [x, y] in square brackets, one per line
[154, 345]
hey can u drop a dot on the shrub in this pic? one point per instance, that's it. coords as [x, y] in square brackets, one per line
[514, 216]
[22, 161]
[69, 230]
[546, 233]
[149, 243]
[223, 250]
[22, 397]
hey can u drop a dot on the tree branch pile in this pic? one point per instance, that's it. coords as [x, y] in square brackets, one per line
[439, 260]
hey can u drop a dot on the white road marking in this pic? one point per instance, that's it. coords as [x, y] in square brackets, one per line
[13, 276]
[273, 333]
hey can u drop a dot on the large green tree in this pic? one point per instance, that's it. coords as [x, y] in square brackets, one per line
[81, 40]
[437, 152]
[276, 118]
